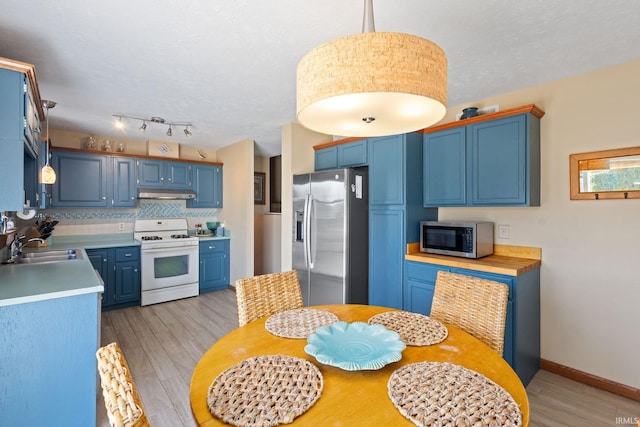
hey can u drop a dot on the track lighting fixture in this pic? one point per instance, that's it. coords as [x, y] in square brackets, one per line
[154, 119]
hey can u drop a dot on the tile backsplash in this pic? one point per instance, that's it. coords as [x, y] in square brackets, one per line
[112, 221]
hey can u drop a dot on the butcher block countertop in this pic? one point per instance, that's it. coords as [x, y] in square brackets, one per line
[507, 260]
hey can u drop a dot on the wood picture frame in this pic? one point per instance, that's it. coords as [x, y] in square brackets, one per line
[258, 188]
[602, 163]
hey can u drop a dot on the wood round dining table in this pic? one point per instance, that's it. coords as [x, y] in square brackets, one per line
[349, 398]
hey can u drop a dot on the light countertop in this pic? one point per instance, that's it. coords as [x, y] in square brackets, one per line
[507, 260]
[22, 283]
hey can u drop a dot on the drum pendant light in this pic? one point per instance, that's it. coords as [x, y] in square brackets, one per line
[372, 84]
[47, 174]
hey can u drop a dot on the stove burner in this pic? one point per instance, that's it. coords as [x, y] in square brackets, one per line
[151, 238]
[180, 236]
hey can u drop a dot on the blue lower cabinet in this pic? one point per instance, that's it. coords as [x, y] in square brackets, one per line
[522, 327]
[120, 271]
[214, 265]
[48, 367]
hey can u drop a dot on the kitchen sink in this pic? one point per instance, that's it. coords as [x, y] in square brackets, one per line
[49, 256]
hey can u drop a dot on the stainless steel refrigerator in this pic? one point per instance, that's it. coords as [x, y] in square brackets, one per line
[331, 235]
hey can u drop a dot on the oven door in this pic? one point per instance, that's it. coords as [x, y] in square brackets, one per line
[167, 267]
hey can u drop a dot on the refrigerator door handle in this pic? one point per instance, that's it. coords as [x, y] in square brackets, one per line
[305, 235]
[308, 235]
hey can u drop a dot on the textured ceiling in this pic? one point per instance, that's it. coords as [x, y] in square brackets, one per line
[229, 66]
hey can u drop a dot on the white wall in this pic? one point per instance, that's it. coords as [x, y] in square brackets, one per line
[590, 275]
[237, 214]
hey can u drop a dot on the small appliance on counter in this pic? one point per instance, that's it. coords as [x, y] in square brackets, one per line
[461, 239]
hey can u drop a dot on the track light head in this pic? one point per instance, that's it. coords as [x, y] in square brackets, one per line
[120, 123]
[169, 131]
[143, 127]
[187, 132]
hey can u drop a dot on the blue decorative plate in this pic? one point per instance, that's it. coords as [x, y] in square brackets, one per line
[355, 346]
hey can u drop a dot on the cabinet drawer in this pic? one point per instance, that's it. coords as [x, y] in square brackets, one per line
[423, 272]
[127, 254]
[210, 246]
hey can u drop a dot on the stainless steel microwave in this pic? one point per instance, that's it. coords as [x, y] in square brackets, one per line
[462, 239]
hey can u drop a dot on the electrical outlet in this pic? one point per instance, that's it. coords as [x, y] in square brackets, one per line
[504, 232]
[121, 226]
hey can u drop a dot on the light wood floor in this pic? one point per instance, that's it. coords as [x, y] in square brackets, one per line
[163, 342]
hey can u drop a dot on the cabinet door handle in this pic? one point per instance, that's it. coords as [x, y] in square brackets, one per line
[104, 197]
[128, 254]
[132, 198]
[104, 260]
[212, 247]
[135, 270]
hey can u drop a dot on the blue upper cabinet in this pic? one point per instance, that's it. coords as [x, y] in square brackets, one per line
[326, 158]
[387, 175]
[20, 136]
[87, 180]
[178, 175]
[207, 184]
[352, 154]
[484, 161]
[123, 179]
[342, 156]
[81, 180]
[445, 169]
[161, 173]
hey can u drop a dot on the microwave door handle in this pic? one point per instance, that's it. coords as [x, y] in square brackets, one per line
[309, 237]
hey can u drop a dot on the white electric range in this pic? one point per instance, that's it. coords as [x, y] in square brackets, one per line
[169, 259]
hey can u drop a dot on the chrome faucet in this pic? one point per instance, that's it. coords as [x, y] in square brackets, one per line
[17, 245]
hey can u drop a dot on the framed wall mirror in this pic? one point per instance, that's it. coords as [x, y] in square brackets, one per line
[608, 174]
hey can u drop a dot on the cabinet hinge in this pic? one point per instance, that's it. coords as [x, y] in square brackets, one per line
[24, 123]
[24, 87]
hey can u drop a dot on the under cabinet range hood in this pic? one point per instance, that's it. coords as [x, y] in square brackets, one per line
[165, 194]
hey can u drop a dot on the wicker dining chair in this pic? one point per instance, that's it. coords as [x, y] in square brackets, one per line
[121, 398]
[477, 306]
[267, 294]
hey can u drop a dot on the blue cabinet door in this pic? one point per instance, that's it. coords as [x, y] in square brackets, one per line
[420, 283]
[150, 173]
[352, 154]
[81, 180]
[386, 248]
[444, 169]
[123, 182]
[214, 265]
[100, 260]
[387, 171]
[326, 158]
[127, 282]
[207, 184]
[499, 162]
[178, 175]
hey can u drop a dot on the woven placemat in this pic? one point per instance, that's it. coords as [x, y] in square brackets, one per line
[414, 328]
[435, 393]
[299, 323]
[265, 391]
